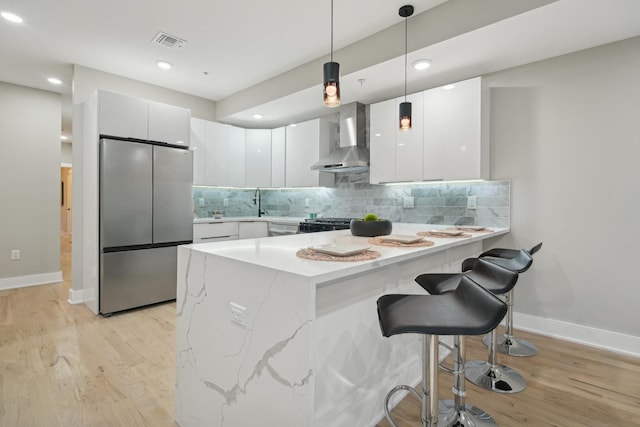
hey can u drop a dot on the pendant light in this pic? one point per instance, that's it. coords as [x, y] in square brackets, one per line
[331, 90]
[405, 107]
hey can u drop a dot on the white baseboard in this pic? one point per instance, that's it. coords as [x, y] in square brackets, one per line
[600, 338]
[31, 280]
[75, 296]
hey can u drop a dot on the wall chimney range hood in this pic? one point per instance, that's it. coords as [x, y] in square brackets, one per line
[352, 155]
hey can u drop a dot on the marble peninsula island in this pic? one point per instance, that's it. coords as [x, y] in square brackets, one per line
[267, 338]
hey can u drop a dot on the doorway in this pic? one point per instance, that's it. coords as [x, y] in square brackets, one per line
[66, 187]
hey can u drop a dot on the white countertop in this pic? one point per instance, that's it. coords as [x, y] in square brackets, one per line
[280, 252]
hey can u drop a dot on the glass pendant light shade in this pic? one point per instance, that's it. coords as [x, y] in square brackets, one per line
[331, 90]
[405, 116]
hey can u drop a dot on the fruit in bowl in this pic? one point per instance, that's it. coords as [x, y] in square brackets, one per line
[370, 226]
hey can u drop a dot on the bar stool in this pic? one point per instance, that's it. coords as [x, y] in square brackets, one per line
[513, 259]
[486, 374]
[468, 310]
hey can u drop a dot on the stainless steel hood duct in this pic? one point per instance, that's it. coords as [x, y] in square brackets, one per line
[352, 155]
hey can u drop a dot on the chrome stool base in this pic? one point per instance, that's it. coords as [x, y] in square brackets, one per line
[499, 378]
[512, 346]
[471, 416]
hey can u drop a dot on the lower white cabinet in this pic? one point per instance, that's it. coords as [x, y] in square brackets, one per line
[214, 231]
[252, 229]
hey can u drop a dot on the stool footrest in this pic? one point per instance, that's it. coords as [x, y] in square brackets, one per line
[397, 388]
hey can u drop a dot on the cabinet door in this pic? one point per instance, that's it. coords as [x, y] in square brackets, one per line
[278, 141]
[409, 155]
[168, 123]
[215, 165]
[302, 150]
[252, 229]
[198, 132]
[123, 116]
[257, 166]
[235, 156]
[383, 119]
[452, 132]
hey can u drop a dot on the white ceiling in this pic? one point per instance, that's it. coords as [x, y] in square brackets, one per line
[247, 46]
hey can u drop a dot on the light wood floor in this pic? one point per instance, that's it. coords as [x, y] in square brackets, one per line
[62, 366]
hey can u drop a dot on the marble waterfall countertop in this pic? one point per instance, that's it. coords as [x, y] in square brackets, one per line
[280, 253]
[263, 336]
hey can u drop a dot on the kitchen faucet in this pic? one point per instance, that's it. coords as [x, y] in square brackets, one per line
[257, 200]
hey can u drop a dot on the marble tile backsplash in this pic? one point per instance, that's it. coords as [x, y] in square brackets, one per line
[434, 203]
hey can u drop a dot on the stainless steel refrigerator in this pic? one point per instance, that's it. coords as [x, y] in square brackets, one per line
[146, 211]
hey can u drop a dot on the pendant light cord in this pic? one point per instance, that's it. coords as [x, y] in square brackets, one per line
[331, 30]
[405, 56]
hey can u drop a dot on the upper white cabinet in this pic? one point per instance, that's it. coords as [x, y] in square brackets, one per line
[123, 116]
[305, 144]
[446, 141]
[168, 123]
[452, 132]
[130, 117]
[278, 142]
[215, 154]
[395, 156]
[257, 164]
[198, 133]
[235, 156]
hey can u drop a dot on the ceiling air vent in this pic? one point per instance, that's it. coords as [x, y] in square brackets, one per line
[166, 40]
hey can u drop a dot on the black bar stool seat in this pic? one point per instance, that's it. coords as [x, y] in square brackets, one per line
[517, 260]
[468, 310]
[486, 374]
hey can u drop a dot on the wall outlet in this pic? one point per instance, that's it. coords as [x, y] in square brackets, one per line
[408, 202]
[471, 202]
[15, 254]
[306, 203]
[238, 314]
[200, 201]
[225, 202]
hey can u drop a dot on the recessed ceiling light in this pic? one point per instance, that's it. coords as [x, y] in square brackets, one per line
[422, 64]
[54, 81]
[165, 65]
[448, 87]
[293, 125]
[64, 137]
[257, 116]
[11, 17]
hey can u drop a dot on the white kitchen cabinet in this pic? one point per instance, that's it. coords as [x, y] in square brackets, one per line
[447, 141]
[235, 156]
[214, 231]
[452, 132]
[252, 229]
[383, 119]
[257, 158]
[168, 123]
[123, 116]
[129, 117]
[395, 156]
[278, 154]
[408, 160]
[216, 154]
[305, 144]
[198, 134]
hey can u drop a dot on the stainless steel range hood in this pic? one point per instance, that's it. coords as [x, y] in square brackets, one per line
[352, 155]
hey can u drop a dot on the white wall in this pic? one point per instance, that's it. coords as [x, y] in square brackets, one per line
[66, 158]
[566, 133]
[30, 189]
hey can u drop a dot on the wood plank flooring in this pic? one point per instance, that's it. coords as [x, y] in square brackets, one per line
[62, 366]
